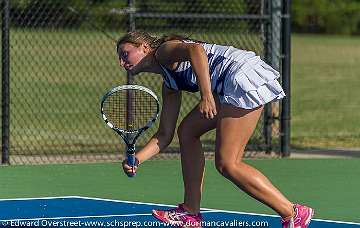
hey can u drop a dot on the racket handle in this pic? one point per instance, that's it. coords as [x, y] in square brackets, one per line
[131, 161]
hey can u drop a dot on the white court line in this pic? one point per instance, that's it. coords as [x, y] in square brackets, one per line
[207, 210]
[89, 198]
[265, 215]
[74, 217]
[41, 198]
[79, 217]
[211, 210]
[334, 221]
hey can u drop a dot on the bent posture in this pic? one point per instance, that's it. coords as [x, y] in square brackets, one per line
[234, 86]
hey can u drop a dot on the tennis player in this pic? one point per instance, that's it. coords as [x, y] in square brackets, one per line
[234, 86]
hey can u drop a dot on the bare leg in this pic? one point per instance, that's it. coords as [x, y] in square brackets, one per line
[192, 156]
[234, 128]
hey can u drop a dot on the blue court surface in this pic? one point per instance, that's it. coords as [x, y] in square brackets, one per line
[75, 211]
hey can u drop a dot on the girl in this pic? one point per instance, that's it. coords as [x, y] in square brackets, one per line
[234, 86]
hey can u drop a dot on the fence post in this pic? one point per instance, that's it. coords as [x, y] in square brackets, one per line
[276, 33]
[130, 78]
[132, 11]
[273, 45]
[131, 24]
[285, 107]
[267, 28]
[5, 92]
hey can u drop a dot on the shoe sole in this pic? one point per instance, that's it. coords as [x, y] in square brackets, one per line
[158, 217]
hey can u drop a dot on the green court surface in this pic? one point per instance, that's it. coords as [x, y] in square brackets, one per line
[331, 186]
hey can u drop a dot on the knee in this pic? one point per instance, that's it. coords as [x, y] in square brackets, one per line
[225, 167]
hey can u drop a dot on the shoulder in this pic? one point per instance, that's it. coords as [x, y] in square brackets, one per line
[166, 54]
[169, 53]
[168, 47]
[175, 51]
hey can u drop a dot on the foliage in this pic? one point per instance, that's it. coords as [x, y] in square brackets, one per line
[326, 16]
[112, 14]
[320, 16]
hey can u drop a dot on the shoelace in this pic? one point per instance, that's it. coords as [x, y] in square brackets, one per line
[174, 215]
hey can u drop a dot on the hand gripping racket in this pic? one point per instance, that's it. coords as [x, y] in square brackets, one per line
[129, 110]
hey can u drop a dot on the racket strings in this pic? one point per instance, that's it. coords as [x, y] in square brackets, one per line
[130, 109]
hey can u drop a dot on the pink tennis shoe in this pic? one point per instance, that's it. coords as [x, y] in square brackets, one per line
[178, 217]
[301, 218]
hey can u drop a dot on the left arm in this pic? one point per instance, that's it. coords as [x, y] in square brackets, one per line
[171, 53]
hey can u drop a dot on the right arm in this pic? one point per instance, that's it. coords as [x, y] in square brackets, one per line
[168, 118]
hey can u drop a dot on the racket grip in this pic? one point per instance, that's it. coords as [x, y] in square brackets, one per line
[131, 161]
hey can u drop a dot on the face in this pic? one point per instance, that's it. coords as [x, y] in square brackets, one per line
[130, 55]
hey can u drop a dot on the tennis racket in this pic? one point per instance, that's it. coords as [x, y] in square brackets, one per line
[129, 110]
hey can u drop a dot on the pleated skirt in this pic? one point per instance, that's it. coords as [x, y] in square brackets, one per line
[251, 83]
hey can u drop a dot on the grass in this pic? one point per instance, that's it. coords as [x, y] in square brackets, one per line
[325, 81]
[57, 80]
[58, 77]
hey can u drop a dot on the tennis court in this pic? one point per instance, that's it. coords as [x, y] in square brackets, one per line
[96, 212]
[100, 192]
[60, 164]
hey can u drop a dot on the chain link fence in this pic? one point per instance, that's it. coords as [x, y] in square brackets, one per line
[62, 60]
